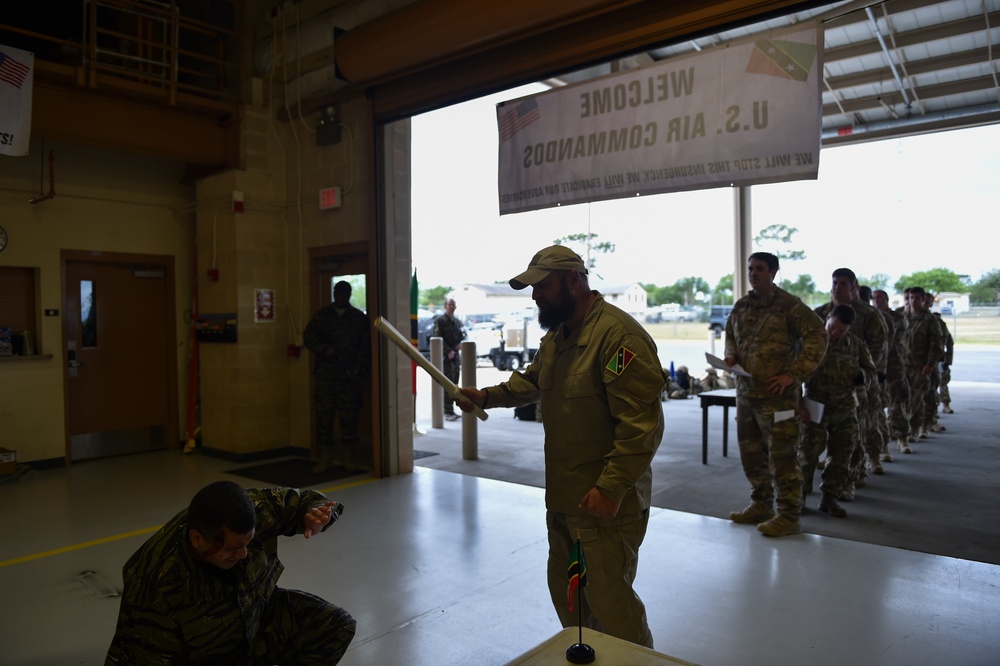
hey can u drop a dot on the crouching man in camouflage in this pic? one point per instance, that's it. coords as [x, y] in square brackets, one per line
[203, 589]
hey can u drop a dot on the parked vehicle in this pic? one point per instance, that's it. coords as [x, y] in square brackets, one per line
[670, 312]
[680, 314]
[512, 353]
[717, 318]
[487, 336]
[425, 326]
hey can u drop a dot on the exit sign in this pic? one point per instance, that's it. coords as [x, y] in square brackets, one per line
[329, 198]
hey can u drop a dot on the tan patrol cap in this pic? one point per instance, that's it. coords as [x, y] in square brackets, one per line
[552, 258]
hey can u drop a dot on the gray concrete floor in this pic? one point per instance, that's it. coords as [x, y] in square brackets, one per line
[443, 567]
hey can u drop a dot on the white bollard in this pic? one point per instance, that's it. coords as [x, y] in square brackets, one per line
[470, 424]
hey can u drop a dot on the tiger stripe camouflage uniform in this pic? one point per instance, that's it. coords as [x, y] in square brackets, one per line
[923, 347]
[341, 345]
[833, 385]
[177, 610]
[449, 329]
[768, 336]
[871, 329]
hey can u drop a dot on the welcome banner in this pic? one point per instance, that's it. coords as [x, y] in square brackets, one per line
[16, 67]
[738, 114]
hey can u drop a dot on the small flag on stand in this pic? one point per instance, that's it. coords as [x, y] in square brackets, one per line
[576, 572]
[579, 652]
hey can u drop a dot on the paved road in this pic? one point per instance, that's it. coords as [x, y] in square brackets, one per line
[973, 363]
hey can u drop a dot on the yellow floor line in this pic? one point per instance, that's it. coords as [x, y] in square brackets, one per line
[126, 535]
[79, 546]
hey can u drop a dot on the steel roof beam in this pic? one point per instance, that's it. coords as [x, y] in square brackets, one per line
[964, 86]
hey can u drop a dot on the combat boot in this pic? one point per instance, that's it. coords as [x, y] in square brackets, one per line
[325, 460]
[848, 494]
[947, 408]
[757, 512]
[885, 456]
[924, 434]
[877, 468]
[780, 526]
[937, 427]
[830, 505]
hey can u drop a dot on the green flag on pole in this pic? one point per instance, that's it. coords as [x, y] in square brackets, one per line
[576, 572]
[414, 307]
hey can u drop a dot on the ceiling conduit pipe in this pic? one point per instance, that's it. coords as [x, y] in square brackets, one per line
[52, 183]
[915, 122]
[888, 57]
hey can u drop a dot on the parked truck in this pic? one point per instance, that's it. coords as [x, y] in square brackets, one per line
[512, 353]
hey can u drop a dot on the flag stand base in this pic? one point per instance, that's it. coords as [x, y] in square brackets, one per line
[580, 653]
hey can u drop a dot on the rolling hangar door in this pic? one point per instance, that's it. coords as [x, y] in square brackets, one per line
[434, 53]
[431, 54]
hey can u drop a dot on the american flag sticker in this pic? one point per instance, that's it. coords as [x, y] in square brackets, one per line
[12, 71]
[513, 119]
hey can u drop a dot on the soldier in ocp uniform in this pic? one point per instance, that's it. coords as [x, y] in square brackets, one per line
[896, 390]
[923, 351]
[942, 371]
[871, 329]
[203, 589]
[845, 366]
[339, 336]
[779, 341]
[450, 330]
[946, 360]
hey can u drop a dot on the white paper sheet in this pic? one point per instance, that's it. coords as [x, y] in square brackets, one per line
[814, 408]
[717, 362]
[784, 415]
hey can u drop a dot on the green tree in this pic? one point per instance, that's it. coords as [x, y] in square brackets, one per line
[586, 246]
[689, 287]
[723, 292]
[935, 280]
[804, 287]
[667, 294]
[876, 281]
[986, 288]
[434, 295]
[771, 238]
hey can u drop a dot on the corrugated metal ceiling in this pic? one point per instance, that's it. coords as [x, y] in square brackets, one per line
[891, 68]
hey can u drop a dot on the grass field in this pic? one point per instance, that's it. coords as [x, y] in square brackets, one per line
[971, 329]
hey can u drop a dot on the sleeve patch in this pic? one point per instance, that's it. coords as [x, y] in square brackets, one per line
[620, 360]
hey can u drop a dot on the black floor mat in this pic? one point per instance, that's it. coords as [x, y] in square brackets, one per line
[293, 473]
[417, 455]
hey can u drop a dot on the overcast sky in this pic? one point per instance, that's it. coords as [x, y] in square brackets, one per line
[893, 207]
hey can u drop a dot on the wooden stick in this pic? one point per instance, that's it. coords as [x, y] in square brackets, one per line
[390, 332]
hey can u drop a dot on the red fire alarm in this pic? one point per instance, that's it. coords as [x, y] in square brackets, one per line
[329, 198]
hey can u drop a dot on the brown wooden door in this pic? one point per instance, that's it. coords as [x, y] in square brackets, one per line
[118, 376]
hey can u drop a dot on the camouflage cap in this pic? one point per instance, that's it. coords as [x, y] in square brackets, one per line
[552, 258]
